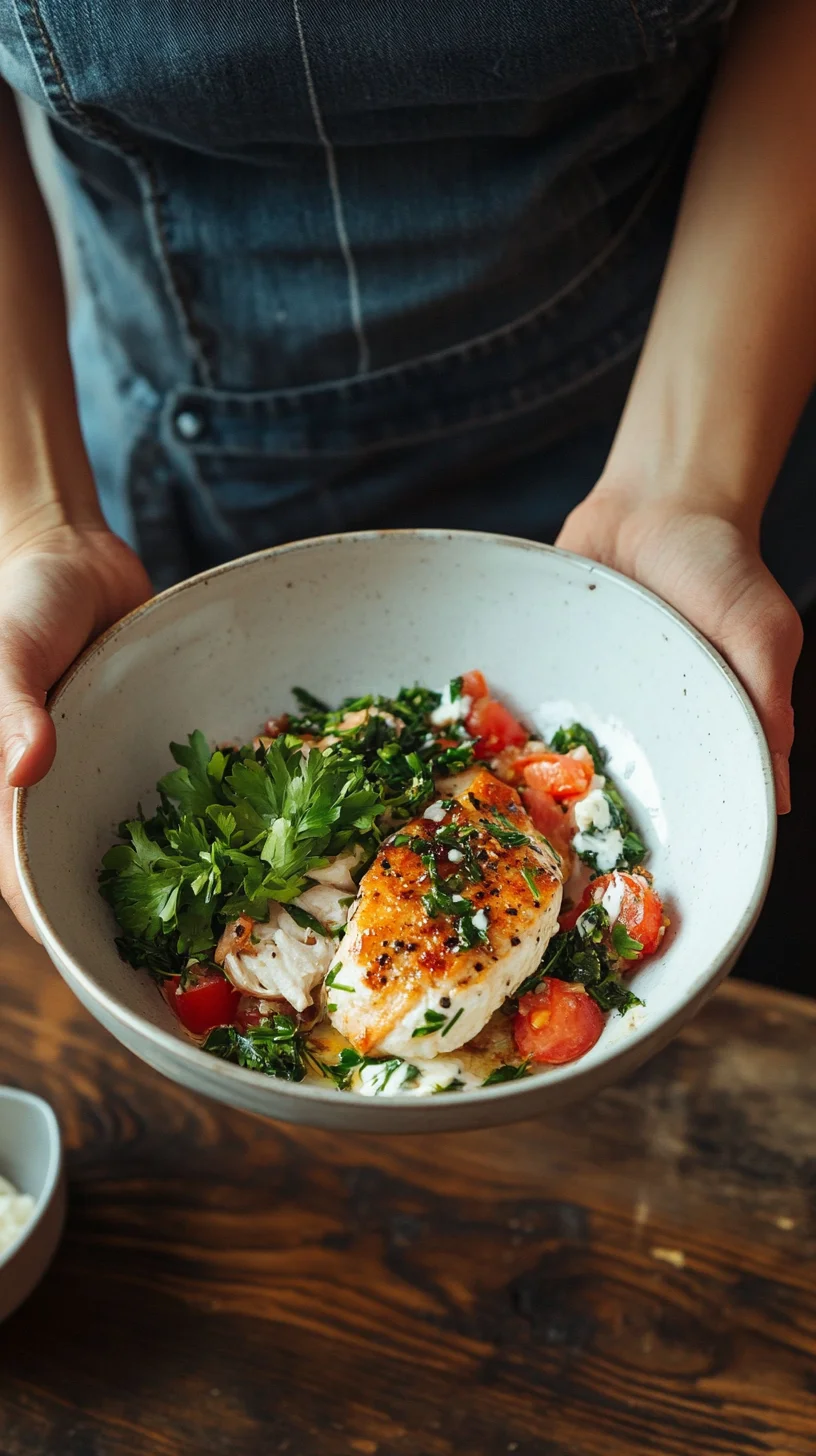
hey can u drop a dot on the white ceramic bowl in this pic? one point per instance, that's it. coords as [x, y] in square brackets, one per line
[31, 1158]
[349, 614]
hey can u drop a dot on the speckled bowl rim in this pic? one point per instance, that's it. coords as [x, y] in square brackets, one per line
[53, 1174]
[703, 984]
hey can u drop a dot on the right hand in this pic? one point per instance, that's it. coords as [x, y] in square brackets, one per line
[58, 591]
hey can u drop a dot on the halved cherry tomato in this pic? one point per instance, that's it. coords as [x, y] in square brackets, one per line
[557, 1023]
[474, 685]
[641, 910]
[494, 726]
[549, 820]
[564, 775]
[209, 1001]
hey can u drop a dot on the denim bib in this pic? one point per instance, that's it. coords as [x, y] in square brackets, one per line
[348, 261]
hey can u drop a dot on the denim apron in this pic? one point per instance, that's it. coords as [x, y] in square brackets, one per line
[358, 262]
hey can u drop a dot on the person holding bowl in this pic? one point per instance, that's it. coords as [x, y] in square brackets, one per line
[546, 270]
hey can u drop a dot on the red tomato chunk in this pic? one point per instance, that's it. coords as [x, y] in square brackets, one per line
[474, 685]
[641, 910]
[557, 1023]
[566, 776]
[211, 1001]
[494, 727]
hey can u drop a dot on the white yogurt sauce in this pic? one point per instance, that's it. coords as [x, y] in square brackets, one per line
[16, 1210]
[435, 812]
[612, 898]
[416, 1078]
[451, 710]
[593, 817]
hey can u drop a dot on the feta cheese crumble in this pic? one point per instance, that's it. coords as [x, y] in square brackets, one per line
[435, 812]
[596, 836]
[451, 710]
[16, 1210]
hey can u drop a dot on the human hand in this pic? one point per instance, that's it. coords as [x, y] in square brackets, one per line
[703, 560]
[58, 590]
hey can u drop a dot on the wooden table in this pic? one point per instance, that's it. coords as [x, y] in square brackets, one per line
[635, 1278]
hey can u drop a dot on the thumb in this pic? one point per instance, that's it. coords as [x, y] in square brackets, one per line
[27, 735]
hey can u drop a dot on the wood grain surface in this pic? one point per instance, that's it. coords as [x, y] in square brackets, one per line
[636, 1277]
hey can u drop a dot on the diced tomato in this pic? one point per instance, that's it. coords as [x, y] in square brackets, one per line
[557, 1023]
[474, 685]
[549, 820]
[641, 909]
[564, 775]
[494, 726]
[209, 1001]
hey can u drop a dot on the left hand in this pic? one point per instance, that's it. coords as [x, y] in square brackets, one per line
[701, 559]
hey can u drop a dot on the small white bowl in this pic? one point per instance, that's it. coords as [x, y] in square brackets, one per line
[31, 1158]
[350, 614]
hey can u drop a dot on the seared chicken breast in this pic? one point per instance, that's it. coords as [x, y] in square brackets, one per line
[453, 914]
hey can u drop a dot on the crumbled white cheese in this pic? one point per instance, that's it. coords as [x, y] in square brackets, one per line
[455, 856]
[451, 710]
[435, 812]
[480, 920]
[606, 848]
[16, 1210]
[593, 811]
[593, 818]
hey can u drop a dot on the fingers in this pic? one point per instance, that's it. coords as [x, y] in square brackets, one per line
[27, 734]
[27, 747]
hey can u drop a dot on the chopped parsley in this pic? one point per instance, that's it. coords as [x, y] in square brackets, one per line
[432, 1021]
[306, 921]
[529, 879]
[582, 955]
[274, 1047]
[576, 736]
[233, 831]
[627, 948]
[332, 983]
[507, 1073]
[453, 1021]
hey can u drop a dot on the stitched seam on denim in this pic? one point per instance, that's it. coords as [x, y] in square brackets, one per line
[355, 309]
[143, 166]
[461, 353]
[56, 69]
[443, 432]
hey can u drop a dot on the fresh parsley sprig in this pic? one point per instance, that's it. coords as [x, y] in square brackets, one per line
[234, 831]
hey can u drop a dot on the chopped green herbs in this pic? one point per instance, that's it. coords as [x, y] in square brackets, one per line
[332, 982]
[454, 1085]
[432, 1021]
[507, 835]
[451, 1024]
[507, 1073]
[627, 948]
[274, 1047]
[583, 955]
[576, 736]
[529, 880]
[233, 831]
[305, 920]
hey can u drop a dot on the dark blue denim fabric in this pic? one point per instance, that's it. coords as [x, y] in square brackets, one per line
[358, 262]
